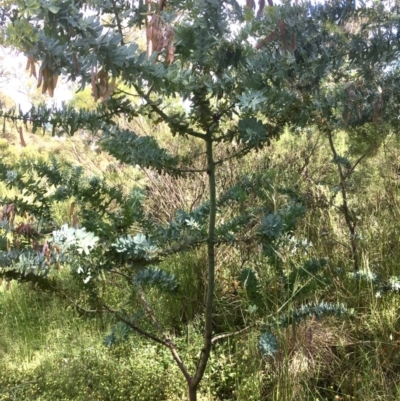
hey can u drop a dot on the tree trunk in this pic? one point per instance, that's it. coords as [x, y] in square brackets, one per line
[192, 392]
[206, 350]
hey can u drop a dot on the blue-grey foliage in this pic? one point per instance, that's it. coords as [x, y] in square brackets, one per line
[144, 151]
[155, 277]
[318, 310]
[268, 344]
[26, 262]
[119, 333]
[78, 239]
[137, 247]
[271, 226]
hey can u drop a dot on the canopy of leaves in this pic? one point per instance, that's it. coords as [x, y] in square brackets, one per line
[340, 69]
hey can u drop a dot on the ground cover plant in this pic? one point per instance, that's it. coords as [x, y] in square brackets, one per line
[238, 258]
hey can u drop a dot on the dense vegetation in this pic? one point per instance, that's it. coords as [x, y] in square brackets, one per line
[222, 226]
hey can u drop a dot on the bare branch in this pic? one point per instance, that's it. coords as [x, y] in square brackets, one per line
[167, 341]
[118, 21]
[226, 335]
[140, 331]
[70, 300]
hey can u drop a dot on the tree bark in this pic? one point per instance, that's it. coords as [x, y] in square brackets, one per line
[207, 344]
[192, 392]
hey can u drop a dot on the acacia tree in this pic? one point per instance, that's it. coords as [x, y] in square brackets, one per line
[240, 80]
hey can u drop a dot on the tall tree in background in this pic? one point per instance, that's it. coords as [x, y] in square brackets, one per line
[240, 81]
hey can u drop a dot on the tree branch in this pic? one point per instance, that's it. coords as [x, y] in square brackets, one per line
[140, 331]
[167, 341]
[168, 119]
[345, 207]
[226, 335]
[118, 21]
[70, 300]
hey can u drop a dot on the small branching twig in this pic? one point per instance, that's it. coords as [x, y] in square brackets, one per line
[235, 333]
[166, 339]
[351, 224]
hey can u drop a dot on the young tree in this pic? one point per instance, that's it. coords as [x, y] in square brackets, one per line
[240, 81]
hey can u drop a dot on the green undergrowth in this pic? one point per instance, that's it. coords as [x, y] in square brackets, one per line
[50, 350]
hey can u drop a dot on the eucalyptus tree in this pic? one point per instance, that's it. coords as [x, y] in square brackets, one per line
[241, 75]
